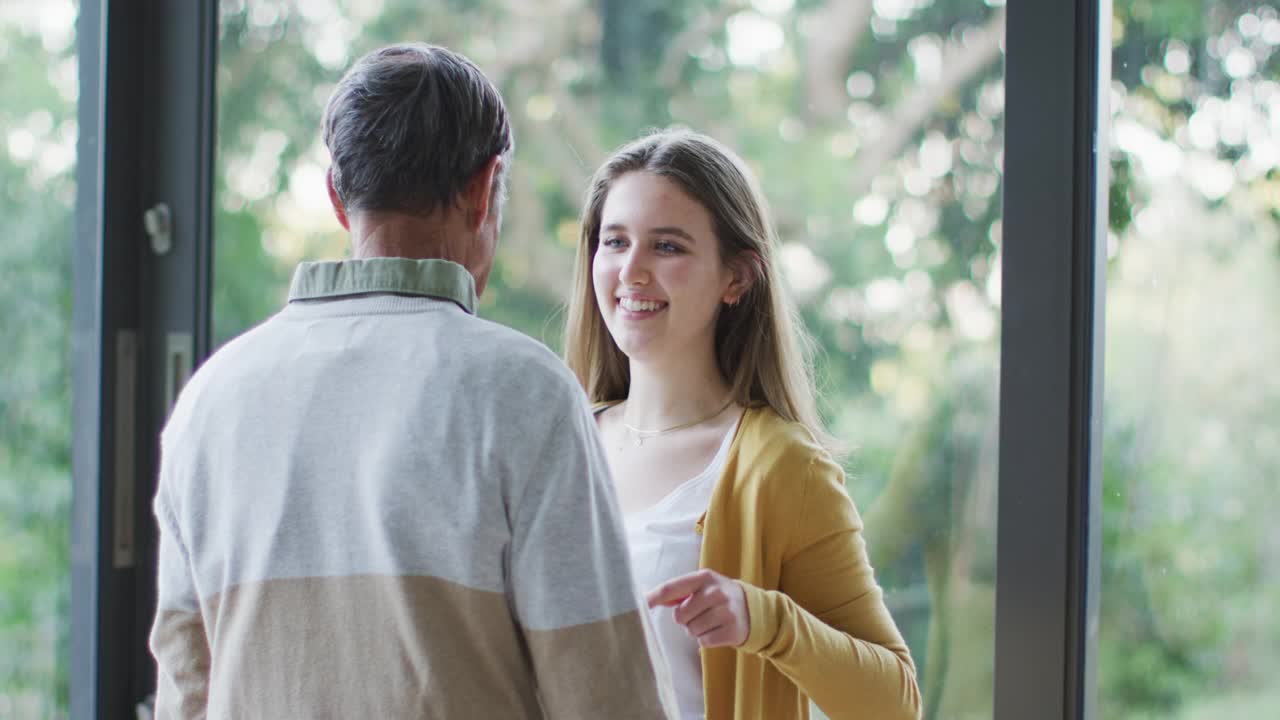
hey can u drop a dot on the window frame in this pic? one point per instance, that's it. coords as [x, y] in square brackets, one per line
[147, 126]
[140, 316]
[1051, 378]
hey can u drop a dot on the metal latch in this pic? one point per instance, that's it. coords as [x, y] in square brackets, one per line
[158, 222]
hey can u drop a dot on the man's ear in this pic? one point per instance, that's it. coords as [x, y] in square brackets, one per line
[477, 195]
[339, 210]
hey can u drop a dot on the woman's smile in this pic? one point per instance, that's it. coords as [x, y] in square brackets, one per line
[635, 307]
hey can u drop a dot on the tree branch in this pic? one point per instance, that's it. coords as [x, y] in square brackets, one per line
[838, 27]
[525, 244]
[691, 39]
[961, 63]
[546, 265]
[583, 152]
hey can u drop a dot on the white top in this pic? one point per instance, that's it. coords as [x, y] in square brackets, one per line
[664, 545]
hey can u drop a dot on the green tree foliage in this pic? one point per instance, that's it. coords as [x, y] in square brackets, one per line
[37, 152]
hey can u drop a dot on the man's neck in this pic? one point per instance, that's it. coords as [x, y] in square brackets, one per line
[440, 235]
[443, 235]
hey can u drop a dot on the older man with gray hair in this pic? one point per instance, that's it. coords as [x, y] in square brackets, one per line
[376, 504]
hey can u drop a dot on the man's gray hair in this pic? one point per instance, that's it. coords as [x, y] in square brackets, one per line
[409, 125]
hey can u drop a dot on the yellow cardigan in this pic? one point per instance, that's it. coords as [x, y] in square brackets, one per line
[781, 522]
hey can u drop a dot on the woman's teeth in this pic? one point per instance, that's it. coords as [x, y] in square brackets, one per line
[639, 305]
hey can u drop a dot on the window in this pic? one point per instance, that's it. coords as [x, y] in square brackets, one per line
[1191, 556]
[37, 199]
[877, 132]
[880, 132]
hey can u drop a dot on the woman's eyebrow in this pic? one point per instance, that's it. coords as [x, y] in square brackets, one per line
[664, 230]
[671, 230]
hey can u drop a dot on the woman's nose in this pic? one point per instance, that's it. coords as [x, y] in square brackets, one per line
[635, 269]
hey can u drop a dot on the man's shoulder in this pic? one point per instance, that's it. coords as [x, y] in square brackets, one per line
[509, 339]
[511, 354]
[248, 347]
[213, 370]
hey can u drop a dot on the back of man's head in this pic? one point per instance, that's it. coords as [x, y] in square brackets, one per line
[408, 126]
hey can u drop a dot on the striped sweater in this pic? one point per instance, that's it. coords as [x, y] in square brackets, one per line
[376, 504]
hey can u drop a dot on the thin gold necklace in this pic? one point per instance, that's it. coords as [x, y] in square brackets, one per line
[642, 435]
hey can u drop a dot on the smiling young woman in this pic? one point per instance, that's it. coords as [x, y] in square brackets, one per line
[742, 536]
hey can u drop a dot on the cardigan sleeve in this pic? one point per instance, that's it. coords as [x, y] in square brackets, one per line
[827, 627]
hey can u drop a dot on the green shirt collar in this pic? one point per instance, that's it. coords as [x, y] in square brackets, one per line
[441, 279]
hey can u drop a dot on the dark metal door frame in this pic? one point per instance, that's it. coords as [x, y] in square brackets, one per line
[1055, 223]
[141, 314]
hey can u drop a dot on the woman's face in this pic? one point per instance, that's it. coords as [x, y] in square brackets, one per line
[657, 272]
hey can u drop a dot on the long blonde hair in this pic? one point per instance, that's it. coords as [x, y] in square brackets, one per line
[761, 348]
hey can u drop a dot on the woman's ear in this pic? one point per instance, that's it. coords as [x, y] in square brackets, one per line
[745, 268]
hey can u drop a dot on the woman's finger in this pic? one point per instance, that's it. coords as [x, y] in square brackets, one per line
[695, 605]
[674, 591]
[713, 618]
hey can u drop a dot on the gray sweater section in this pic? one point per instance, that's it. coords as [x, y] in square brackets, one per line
[392, 435]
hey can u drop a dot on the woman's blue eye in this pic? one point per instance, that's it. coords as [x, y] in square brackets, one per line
[612, 242]
[667, 247]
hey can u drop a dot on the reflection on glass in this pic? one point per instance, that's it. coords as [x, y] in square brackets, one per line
[877, 132]
[1191, 554]
[38, 133]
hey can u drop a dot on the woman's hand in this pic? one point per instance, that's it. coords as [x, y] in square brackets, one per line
[711, 607]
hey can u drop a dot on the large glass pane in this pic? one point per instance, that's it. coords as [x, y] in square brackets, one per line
[1191, 553]
[39, 86]
[877, 131]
